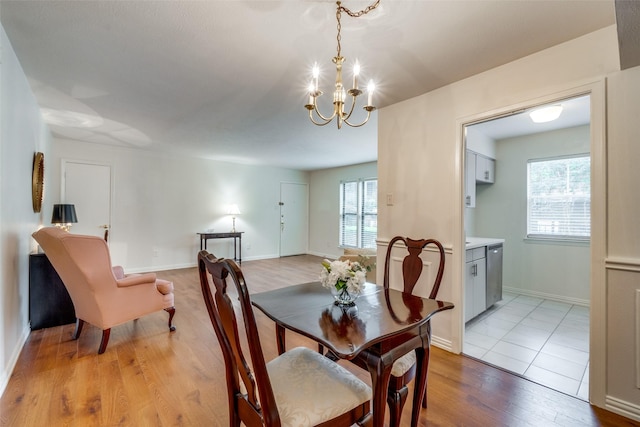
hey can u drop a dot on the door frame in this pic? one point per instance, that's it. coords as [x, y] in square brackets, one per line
[597, 334]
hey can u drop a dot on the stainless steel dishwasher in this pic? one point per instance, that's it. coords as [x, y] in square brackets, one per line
[494, 274]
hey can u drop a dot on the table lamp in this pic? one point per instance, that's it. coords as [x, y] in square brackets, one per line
[233, 211]
[64, 216]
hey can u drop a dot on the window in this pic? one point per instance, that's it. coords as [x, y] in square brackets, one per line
[359, 213]
[559, 198]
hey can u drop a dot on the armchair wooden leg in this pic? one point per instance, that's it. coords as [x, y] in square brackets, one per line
[105, 340]
[79, 325]
[172, 312]
[396, 400]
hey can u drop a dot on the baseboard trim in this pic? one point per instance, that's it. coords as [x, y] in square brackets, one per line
[622, 407]
[13, 360]
[544, 295]
[442, 343]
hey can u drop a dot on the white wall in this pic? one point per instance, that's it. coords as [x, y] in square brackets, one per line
[622, 260]
[22, 133]
[324, 206]
[420, 161]
[161, 201]
[557, 270]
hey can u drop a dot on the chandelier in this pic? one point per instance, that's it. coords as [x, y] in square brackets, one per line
[339, 94]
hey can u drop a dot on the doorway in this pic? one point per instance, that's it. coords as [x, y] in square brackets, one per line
[540, 328]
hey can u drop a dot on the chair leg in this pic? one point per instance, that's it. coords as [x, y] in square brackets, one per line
[396, 400]
[79, 325]
[172, 312]
[105, 340]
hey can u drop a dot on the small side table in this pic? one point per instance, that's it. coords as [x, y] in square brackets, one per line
[49, 302]
[237, 242]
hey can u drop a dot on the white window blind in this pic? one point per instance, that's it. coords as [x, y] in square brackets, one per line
[359, 213]
[559, 198]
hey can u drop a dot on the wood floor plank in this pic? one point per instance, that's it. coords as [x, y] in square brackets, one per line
[152, 377]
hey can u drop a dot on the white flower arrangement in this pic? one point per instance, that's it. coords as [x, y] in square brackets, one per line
[344, 276]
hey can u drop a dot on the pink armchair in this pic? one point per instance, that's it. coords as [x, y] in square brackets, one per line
[102, 295]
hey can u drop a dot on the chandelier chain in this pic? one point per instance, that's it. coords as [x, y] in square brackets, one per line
[361, 12]
[351, 14]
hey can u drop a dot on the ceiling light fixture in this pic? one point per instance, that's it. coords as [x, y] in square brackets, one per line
[339, 94]
[546, 114]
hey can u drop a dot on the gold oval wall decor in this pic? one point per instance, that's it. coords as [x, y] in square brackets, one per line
[37, 181]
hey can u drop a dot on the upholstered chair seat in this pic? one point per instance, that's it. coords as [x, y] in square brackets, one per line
[402, 365]
[311, 389]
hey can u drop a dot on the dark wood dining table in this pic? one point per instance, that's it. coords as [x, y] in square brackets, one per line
[381, 327]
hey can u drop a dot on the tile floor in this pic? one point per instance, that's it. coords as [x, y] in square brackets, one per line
[542, 340]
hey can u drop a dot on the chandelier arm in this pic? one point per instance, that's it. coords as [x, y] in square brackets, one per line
[361, 124]
[328, 119]
[325, 122]
[353, 104]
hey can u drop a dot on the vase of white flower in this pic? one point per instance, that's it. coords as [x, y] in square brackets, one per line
[344, 279]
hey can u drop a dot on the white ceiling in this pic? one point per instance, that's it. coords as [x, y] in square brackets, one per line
[575, 112]
[226, 80]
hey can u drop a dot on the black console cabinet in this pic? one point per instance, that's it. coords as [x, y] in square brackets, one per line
[49, 302]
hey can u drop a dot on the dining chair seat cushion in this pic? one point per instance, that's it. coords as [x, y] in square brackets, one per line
[310, 388]
[402, 365]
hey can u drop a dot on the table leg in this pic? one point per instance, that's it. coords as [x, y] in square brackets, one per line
[240, 249]
[280, 339]
[235, 248]
[420, 391]
[380, 374]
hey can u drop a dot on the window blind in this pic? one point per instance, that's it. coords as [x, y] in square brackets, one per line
[559, 198]
[359, 213]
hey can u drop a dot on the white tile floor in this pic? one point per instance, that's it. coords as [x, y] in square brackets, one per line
[544, 341]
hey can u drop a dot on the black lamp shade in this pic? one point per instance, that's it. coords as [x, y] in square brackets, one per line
[64, 214]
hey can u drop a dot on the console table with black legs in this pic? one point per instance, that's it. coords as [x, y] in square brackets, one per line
[237, 242]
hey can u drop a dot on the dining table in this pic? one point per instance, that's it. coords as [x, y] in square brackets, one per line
[379, 328]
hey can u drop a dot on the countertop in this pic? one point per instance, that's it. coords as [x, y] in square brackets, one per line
[476, 242]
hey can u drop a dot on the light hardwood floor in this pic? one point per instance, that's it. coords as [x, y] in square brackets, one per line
[150, 377]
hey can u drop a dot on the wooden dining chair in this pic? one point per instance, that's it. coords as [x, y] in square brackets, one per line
[404, 369]
[298, 388]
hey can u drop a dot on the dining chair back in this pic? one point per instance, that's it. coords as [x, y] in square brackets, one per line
[404, 369]
[297, 388]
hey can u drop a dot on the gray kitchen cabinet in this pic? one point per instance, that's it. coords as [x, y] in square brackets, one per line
[477, 169]
[485, 169]
[475, 284]
[470, 179]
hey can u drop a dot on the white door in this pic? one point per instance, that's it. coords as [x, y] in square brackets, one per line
[294, 218]
[88, 187]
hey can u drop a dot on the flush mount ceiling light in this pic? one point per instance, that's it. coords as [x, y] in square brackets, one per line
[546, 114]
[339, 94]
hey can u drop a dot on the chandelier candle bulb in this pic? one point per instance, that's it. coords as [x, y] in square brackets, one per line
[356, 71]
[371, 87]
[316, 74]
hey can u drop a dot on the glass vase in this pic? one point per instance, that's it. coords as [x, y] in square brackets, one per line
[343, 297]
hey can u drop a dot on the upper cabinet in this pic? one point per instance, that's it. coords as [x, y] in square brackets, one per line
[478, 169]
[485, 169]
[470, 179]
